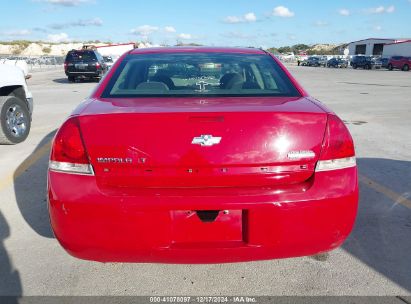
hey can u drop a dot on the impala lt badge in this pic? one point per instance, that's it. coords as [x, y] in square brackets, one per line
[114, 160]
[206, 140]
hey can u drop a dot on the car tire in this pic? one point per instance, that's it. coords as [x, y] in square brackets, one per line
[406, 68]
[354, 66]
[390, 67]
[71, 79]
[15, 120]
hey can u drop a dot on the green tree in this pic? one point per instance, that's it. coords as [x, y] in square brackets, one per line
[284, 49]
[273, 50]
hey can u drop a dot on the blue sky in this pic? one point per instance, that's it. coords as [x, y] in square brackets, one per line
[214, 22]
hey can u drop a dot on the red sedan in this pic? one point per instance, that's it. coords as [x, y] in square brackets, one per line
[171, 162]
[399, 62]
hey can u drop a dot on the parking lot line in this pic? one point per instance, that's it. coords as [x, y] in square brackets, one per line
[31, 160]
[397, 198]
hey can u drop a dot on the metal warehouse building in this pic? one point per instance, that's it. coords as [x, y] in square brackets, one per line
[402, 48]
[370, 46]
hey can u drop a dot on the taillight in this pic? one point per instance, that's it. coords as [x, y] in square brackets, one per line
[98, 65]
[338, 147]
[68, 153]
[65, 65]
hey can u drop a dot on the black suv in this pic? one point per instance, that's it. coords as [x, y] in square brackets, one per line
[84, 64]
[365, 62]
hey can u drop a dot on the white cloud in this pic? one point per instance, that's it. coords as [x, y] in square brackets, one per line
[79, 23]
[185, 36]
[282, 11]
[66, 3]
[249, 17]
[89, 22]
[232, 19]
[378, 10]
[62, 37]
[390, 9]
[16, 33]
[381, 9]
[144, 30]
[345, 12]
[169, 29]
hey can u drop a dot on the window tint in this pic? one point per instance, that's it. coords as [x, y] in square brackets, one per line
[81, 56]
[199, 74]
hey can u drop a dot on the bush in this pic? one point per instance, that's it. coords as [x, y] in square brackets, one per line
[46, 50]
[18, 46]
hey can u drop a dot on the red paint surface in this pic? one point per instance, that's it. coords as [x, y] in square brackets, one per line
[400, 63]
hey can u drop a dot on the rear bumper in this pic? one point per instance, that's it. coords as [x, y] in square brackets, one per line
[157, 225]
[84, 73]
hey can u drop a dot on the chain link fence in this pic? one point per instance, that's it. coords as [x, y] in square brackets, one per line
[35, 62]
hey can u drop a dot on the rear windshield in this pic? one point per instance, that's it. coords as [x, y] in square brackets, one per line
[81, 56]
[199, 74]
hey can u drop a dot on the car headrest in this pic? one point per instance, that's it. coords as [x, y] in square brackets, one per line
[231, 81]
[164, 79]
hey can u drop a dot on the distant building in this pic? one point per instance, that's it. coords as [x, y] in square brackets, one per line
[370, 46]
[402, 48]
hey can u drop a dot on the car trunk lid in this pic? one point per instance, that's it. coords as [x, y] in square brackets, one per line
[148, 145]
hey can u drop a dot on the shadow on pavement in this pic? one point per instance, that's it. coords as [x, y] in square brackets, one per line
[61, 80]
[382, 234]
[10, 284]
[65, 80]
[30, 188]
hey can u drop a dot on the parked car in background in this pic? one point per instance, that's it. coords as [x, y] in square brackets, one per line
[376, 62]
[400, 63]
[385, 62]
[313, 61]
[235, 165]
[84, 64]
[337, 63]
[109, 61]
[304, 61]
[16, 105]
[365, 62]
[322, 61]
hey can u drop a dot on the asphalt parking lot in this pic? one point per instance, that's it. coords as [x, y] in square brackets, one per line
[375, 260]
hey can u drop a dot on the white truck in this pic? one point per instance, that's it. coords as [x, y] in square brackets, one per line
[16, 105]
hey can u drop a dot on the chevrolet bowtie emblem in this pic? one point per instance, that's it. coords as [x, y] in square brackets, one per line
[206, 140]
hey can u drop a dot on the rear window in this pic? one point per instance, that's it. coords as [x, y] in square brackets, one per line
[81, 56]
[199, 74]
